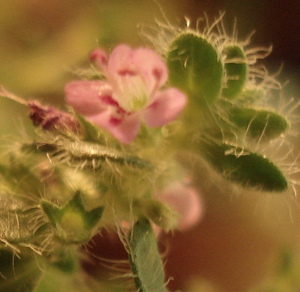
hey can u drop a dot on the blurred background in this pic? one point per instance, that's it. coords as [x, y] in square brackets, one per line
[243, 236]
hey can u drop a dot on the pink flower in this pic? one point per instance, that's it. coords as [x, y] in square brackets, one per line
[186, 200]
[131, 94]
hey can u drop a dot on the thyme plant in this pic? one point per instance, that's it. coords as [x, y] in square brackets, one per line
[113, 158]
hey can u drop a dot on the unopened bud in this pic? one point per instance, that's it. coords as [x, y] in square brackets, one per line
[52, 119]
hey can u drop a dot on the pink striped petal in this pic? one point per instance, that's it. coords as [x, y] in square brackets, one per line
[142, 62]
[167, 105]
[151, 67]
[120, 60]
[85, 96]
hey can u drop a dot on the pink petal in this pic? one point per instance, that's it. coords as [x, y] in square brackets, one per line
[167, 105]
[85, 96]
[124, 128]
[186, 201]
[151, 67]
[100, 58]
[120, 60]
[142, 62]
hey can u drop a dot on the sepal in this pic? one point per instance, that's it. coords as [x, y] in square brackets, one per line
[72, 223]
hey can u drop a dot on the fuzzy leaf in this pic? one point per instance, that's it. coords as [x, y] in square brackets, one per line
[195, 67]
[235, 69]
[18, 274]
[16, 219]
[145, 260]
[59, 281]
[65, 260]
[159, 213]
[259, 123]
[90, 155]
[248, 169]
[20, 178]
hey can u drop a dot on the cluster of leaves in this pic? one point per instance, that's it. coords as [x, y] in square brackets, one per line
[72, 179]
[57, 192]
[229, 115]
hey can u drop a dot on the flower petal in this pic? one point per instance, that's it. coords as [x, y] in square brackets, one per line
[124, 128]
[120, 61]
[142, 63]
[186, 201]
[86, 96]
[100, 58]
[167, 105]
[151, 67]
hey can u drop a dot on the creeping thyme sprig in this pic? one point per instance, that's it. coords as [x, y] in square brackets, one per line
[112, 160]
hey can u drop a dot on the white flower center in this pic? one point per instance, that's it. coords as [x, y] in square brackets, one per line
[130, 91]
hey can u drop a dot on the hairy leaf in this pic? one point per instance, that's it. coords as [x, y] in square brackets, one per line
[235, 69]
[195, 67]
[246, 168]
[259, 123]
[18, 274]
[145, 260]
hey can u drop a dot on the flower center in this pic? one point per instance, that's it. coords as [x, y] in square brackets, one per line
[131, 91]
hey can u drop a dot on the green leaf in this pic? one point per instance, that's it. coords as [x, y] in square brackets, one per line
[87, 155]
[159, 213]
[59, 281]
[65, 260]
[20, 178]
[195, 67]
[235, 69]
[92, 132]
[17, 214]
[259, 123]
[249, 169]
[18, 274]
[145, 260]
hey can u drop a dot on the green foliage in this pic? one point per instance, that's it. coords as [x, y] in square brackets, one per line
[259, 123]
[63, 274]
[235, 69]
[18, 171]
[89, 155]
[15, 213]
[145, 260]
[18, 273]
[244, 167]
[195, 67]
[216, 72]
[159, 213]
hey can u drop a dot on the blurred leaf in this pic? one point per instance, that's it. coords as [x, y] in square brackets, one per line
[259, 123]
[145, 260]
[235, 69]
[18, 274]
